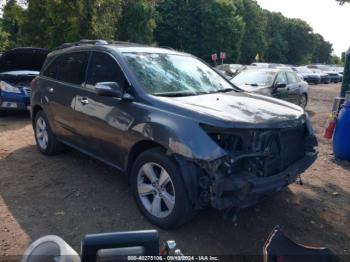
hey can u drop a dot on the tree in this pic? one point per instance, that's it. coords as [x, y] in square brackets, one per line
[343, 1]
[277, 45]
[336, 60]
[138, 21]
[254, 39]
[12, 22]
[103, 17]
[299, 38]
[200, 27]
[322, 50]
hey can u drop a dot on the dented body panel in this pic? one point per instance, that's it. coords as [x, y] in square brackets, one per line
[226, 144]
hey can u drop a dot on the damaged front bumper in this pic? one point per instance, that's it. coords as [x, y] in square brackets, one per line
[242, 191]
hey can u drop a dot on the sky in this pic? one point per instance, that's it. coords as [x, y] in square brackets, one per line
[326, 17]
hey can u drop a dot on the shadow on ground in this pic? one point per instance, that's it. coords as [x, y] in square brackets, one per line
[14, 121]
[71, 195]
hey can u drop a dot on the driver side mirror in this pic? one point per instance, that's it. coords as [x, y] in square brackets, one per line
[280, 85]
[111, 89]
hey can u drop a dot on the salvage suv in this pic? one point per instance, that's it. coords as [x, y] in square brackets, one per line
[185, 136]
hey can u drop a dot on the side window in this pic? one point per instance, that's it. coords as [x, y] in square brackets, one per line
[292, 78]
[281, 79]
[103, 68]
[72, 68]
[52, 69]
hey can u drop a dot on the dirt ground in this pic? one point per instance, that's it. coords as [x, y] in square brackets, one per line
[71, 195]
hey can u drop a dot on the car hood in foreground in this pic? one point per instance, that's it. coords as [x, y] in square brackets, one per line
[20, 73]
[239, 108]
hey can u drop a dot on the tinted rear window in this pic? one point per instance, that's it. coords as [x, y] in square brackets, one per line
[69, 68]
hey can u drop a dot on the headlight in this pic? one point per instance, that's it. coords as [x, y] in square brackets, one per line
[8, 88]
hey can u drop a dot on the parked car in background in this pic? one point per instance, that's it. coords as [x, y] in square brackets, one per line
[263, 65]
[325, 78]
[18, 67]
[306, 74]
[280, 83]
[229, 69]
[334, 76]
[184, 135]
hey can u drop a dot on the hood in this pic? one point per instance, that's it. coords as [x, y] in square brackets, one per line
[310, 75]
[254, 89]
[239, 108]
[23, 59]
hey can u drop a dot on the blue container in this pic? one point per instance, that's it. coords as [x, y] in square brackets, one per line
[341, 139]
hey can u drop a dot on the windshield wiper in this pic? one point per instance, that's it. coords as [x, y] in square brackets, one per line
[224, 90]
[177, 94]
[254, 84]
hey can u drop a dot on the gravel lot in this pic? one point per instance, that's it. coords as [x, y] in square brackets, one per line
[71, 195]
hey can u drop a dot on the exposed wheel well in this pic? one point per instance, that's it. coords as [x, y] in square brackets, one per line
[138, 149]
[36, 109]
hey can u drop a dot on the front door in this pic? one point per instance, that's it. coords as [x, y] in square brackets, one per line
[104, 121]
[280, 92]
[293, 87]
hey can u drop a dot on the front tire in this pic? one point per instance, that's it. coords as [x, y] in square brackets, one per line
[45, 139]
[159, 190]
[303, 100]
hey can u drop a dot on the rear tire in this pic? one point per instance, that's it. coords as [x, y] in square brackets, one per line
[164, 204]
[45, 139]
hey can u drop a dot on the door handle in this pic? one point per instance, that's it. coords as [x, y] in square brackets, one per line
[84, 100]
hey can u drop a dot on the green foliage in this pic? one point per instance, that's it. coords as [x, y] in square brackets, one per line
[138, 21]
[322, 50]
[12, 22]
[254, 39]
[4, 40]
[277, 44]
[336, 60]
[200, 27]
[241, 28]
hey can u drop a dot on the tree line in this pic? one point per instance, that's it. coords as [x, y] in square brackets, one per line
[241, 28]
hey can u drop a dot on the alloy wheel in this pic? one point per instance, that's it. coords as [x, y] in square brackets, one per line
[156, 190]
[41, 133]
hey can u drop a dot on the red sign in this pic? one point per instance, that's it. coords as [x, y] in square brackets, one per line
[214, 57]
[222, 55]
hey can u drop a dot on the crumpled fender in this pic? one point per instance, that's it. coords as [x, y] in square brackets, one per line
[185, 138]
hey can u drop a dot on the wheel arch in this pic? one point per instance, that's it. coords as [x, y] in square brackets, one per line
[189, 171]
[35, 110]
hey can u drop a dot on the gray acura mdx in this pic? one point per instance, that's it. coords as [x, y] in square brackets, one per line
[185, 137]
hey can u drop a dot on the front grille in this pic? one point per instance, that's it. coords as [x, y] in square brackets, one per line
[274, 149]
[292, 141]
[27, 90]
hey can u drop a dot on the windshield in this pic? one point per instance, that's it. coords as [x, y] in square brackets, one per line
[324, 68]
[303, 70]
[254, 78]
[175, 75]
[315, 70]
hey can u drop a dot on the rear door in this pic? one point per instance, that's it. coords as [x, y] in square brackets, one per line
[61, 81]
[104, 121]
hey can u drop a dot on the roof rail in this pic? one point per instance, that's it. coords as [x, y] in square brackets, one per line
[82, 42]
